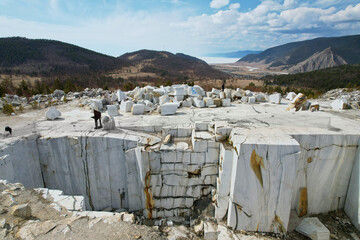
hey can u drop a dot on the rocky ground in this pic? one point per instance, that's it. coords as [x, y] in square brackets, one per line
[26, 214]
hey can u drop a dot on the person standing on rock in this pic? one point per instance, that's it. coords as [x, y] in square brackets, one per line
[96, 117]
[223, 85]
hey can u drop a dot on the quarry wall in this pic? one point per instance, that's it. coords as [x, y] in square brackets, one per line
[258, 179]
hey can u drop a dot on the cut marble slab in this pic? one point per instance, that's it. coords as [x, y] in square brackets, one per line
[275, 98]
[169, 109]
[138, 109]
[112, 110]
[314, 229]
[125, 106]
[339, 104]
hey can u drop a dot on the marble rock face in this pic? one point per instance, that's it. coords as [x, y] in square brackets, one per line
[126, 106]
[339, 104]
[352, 203]
[138, 109]
[326, 161]
[169, 109]
[262, 184]
[275, 98]
[227, 156]
[112, 110]
[52, 113]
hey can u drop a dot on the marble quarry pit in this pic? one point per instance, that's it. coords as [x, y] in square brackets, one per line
[257, 162]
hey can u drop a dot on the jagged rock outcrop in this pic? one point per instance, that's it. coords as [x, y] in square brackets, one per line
[324, 59]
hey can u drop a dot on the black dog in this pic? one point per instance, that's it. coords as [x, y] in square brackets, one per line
[8, 129]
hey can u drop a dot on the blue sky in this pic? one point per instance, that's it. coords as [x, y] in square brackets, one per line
[194, 27]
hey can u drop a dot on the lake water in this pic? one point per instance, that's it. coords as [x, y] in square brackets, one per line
[212, 60]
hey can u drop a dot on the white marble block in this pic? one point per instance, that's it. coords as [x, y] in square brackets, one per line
[187, 102]
[199, 103]
[314, 229]
[163, 99]
[169, 109]
[179, 91]
[290, 96]
[339, 104]
[52, 113]
[208, 101]
[138, 109]
[251, 100]
[120, 95]
[275, 98]
[112, 110]
[226, 102]
[215, 92]
[126, 106]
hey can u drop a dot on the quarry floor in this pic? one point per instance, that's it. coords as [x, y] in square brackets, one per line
[261, 118]
[256, 119]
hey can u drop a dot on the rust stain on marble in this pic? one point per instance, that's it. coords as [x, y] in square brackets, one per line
[256, 162]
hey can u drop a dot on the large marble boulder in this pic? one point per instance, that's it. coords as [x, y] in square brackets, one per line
[169, 109]
[108, 123]
[339, 104]
[275, 98]
[138, 109]
[52, 114]
[120, 95]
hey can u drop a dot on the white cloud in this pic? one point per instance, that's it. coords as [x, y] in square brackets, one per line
[234, 6]
[219, 3]
[289, 4]
[350, 13]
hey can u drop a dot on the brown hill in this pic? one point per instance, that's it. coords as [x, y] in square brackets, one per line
[168, 65]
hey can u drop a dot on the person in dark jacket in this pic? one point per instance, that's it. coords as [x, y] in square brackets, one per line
[8, 129]
[96, 117]
[223, 86]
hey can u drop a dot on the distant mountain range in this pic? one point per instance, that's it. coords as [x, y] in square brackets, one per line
[55, 59]
[308, 55]
[238, 54]
[171, 65]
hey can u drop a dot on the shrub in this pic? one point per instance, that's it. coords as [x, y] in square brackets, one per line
[8, 109]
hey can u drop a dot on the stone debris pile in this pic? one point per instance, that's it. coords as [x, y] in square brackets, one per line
[343, 98]
[166, 100]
